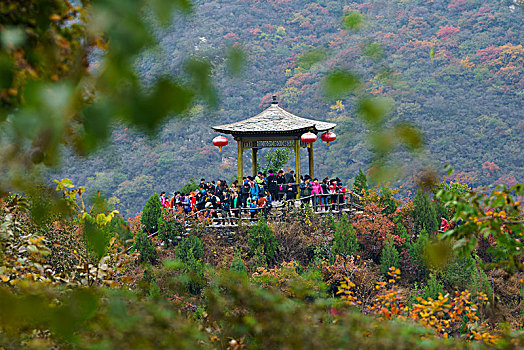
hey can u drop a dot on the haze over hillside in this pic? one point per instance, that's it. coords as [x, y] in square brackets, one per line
[453, 68]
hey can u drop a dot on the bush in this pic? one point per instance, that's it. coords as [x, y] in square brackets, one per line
[345, 239]
[144, 245]
[169, 227]
[261, 235]
[387, 201]
[190, 248]
[189, 186]
[389, 257]
[195, 271]
[433, 288]
[360, 185]
[190, 252]
[459, 272]
[419, 247]
[479, 280]
[424, 213]
[401, 231]
[237, 264]
[119, 225]
[151, 213]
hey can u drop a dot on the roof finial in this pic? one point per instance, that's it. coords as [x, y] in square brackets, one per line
[275, 102]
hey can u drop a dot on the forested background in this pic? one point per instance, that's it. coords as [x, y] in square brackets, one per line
[453, 68]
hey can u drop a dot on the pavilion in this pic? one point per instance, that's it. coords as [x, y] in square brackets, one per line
[274, 127]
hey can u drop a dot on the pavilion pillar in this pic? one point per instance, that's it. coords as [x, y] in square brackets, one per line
[311, 163]
[240, 162]
[297, 165]
[254, 153]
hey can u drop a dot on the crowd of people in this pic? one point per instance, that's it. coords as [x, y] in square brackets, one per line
[256, 195]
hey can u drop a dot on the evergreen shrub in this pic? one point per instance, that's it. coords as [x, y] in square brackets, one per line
[360, 185]
[261, 235]
[401, 231]
[190, 251]
[169, 227]
[424, 213]
[345, 239]
[237, 265]
[190, 248]
[418, 248]
[433, 288]
[389, 257]
[151, 214]
[459, 272]
[144, 245]
[479, 280]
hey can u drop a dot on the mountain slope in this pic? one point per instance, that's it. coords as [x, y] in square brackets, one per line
[453, 68]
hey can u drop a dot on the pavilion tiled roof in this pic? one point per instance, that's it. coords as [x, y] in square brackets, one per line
[274, 119]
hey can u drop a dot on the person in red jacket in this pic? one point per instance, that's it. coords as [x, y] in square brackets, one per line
[444, 224]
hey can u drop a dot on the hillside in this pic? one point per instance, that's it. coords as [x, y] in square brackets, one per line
[453, 68]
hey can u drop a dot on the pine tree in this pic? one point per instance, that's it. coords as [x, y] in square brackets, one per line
[144, 245]
[344, 240]
[389, 257]
[151, 213]
[401, 231]
[261, 235]
[418, 249]
[360, 185]
[424, 213]
[237, 265]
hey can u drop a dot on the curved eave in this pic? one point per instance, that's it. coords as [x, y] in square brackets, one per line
[274, 120]
[252, 132]
[314, 129]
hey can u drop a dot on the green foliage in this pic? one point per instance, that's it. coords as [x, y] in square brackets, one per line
[262, 239]
[49, 87]
[496, 213]
[196, 280]
[389, 257]
[409, 136]
[479, 280]
[374, 50]
[276, 158]
[455, 187]
[418, 249]
[440, 209]
[190, 251]
[353, 20]
[309, 58]
[237, 264]
[459, 272]
[387, 201]
[236, 60]
[190, 248]
[169, 227]
[424, 214]
[345, 239]
[340, 83]
[189, 186]
[151, 214]
[433, 287]
[146, 248]
[118, 226]
[401, 231]
[360, 185]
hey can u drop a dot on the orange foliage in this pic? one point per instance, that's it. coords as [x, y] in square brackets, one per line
[443, 315]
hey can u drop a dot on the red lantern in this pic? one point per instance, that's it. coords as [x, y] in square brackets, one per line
[220, 141]
[308, 138]
[328, 136]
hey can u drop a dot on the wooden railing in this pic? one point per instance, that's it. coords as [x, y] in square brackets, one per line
[319, 203]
